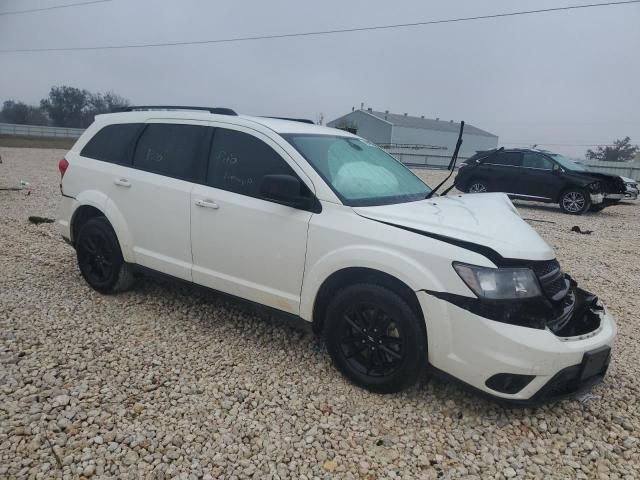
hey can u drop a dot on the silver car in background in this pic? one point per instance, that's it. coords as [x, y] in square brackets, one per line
[631, 185]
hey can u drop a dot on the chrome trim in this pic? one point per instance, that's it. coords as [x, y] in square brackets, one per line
[527, 196]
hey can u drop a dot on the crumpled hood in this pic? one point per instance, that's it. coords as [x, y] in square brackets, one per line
[485, 219]
[611, 183]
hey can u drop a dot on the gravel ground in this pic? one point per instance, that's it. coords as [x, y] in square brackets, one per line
[167, 381]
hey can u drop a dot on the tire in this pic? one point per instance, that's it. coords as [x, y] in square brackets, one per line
[100, 258]
[375, 338]
[478, 185]
[575, 201]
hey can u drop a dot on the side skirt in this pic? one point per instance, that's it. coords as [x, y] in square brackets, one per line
[289, 319]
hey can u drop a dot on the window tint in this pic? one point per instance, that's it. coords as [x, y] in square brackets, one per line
[239, 161]
[535, 160]
[174, 150]
[113, 143]
[513, 159]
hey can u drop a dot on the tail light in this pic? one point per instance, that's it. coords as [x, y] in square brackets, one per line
[62, 166]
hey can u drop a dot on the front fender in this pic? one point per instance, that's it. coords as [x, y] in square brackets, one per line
[396, 264]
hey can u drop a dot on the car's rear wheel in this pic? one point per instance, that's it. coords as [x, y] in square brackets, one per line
[478, 186]
[575, 201]
[375, 338]
[100, 259]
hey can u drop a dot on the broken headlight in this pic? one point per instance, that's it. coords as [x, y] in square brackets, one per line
[499, 283]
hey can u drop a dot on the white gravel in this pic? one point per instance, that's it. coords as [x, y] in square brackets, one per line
[169, 382]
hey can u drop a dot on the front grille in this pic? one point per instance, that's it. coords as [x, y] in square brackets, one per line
[554, 283]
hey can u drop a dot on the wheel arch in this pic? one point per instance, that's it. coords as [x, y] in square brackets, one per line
[352, 275]
[82, 215]
[91, 206]
[571, 186]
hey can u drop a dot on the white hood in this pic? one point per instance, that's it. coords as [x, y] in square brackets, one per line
[487, 219]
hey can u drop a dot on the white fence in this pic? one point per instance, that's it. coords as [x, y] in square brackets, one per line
[39, 131]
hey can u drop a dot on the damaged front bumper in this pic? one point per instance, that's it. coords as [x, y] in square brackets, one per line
[489, 349]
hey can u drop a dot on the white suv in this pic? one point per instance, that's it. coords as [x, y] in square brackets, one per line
[323, 226]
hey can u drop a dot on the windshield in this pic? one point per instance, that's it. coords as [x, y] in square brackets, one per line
[568, 163]
[359, 172]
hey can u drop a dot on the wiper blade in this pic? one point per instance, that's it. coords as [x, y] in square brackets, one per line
[452, 162]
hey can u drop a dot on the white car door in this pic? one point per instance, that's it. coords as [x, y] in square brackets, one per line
[243, 244]
[153, 195]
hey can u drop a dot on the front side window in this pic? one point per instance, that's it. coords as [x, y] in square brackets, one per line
[239, 161]
[536, 160]
[113, 143]
[173, 150]
[359, 172]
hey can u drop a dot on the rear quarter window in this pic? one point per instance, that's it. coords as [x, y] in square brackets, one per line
[113, 143]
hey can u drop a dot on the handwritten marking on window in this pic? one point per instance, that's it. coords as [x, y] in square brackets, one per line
[153, 156]
[226, 157]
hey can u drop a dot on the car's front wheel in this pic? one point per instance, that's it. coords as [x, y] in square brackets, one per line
[478, 186]
[100, 259]
[375, 338]
[575, 201]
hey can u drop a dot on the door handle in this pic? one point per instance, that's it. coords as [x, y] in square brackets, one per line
[207, 204]
[122, 182]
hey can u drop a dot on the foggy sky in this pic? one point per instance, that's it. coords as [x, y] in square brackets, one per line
[556, 78]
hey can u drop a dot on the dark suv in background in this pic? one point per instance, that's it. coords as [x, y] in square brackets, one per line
[539, 176]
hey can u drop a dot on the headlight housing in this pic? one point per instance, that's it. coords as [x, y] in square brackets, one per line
[499, 283]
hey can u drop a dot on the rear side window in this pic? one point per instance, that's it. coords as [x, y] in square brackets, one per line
[239, 161]
[174, 150]
[113, 144]
[513, 159]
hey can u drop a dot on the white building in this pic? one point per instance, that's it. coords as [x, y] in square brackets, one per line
[415, 140]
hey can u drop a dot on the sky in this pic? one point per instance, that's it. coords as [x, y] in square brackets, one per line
[561, 80]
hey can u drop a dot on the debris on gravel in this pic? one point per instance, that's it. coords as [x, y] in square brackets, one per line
[168, 381]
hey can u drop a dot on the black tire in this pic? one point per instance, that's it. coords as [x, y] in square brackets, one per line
[100, 259]
[478, 185]
[375, 338]
[575, 201]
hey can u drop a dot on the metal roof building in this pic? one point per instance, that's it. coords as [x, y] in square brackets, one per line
[393, 131]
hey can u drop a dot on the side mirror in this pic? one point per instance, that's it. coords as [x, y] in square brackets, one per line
[284, 189]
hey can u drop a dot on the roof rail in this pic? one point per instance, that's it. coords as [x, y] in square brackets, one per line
[216, 110]
[301, 120]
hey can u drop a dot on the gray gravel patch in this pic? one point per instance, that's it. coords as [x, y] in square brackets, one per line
[168, 381]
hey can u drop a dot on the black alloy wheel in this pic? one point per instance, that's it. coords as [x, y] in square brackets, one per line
[371, 341]
[100, 259]
[375, 338]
